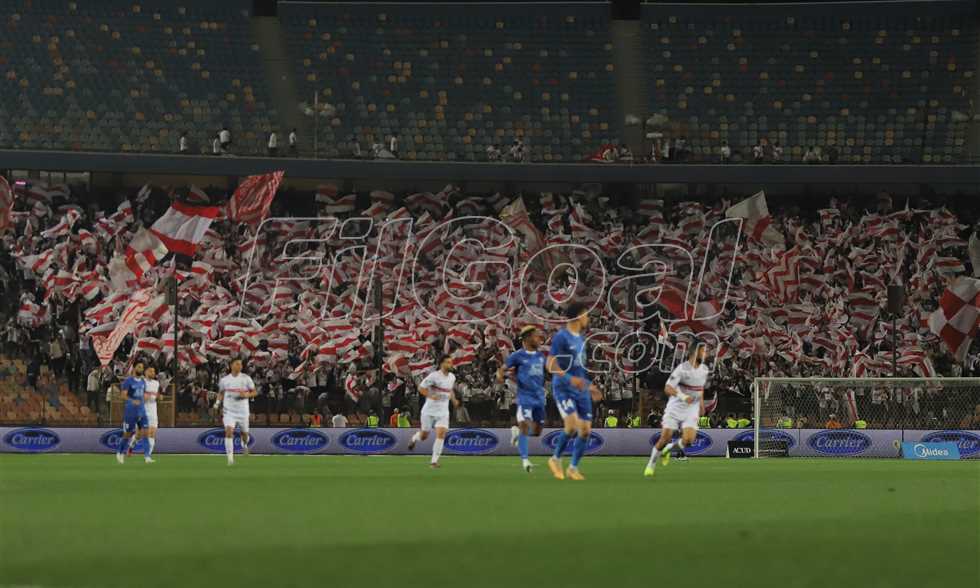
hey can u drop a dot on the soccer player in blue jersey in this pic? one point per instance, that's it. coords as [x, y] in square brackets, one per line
[572, 389]
[134, 415]
[526, 365]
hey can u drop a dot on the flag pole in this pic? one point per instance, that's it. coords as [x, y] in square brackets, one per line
[176, 378]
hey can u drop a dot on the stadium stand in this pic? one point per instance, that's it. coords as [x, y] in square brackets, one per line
[130, 75]
[883, 87]
[451, 80]
[825, 321]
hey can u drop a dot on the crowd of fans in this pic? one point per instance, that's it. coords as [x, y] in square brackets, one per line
[313, 365]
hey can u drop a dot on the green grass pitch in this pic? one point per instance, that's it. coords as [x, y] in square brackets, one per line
[83, 520]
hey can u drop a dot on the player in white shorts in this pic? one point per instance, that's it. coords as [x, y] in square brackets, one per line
[150, 395]
[234, 390]
[685, 387]
[437, 387]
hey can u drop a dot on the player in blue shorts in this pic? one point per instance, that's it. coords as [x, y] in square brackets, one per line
[134, 415]
[572, 389]
[526, 365]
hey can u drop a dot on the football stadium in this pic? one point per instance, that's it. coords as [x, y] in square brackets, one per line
[307, 293]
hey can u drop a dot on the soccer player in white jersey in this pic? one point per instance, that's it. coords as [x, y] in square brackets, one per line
[437, 387]
[685, 387]
[150, 396]
[234, 390]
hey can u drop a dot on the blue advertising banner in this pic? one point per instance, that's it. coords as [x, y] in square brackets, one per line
[938, 451]
[478, 441]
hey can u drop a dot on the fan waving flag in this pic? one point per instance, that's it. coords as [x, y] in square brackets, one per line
[958, 316]
[183, 226]
[251, 201]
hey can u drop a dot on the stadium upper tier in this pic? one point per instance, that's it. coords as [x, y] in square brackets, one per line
[878, 88]
[874, 85]
[451, 80]
[129, 75]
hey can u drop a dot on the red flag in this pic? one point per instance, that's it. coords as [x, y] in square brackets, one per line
[251, 201]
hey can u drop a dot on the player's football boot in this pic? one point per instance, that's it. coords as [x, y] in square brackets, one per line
[514, 432]
[573, 474]
[528, 466]
[244, 448]
[129, 451]
[555, 466]
[435, 465]
[149, 460]
[120, 458]
[665, 457]
[648, 472]
[411, 444]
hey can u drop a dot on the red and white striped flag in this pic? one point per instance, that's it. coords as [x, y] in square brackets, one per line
[183, 226]
[958, 316]
[331, 203]
[105, 347]
[143, 253]
[6, 203]
[251, 201]
[31, 314]
[758, 223]
[64, 225]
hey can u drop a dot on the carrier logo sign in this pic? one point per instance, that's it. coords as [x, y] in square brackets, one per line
[702, 441]
[214, 441]
[110, 439]
[968, 443]
[768, 436]
[839, 442]
[471, 441]
[32, 440]
[368, 440]
[300, 440]
[551, 441]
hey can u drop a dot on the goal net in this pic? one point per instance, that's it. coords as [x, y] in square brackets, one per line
[867, 417]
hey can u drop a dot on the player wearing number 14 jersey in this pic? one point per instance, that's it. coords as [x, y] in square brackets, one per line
[573, 391]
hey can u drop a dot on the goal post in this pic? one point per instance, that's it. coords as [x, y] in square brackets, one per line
[863, 417]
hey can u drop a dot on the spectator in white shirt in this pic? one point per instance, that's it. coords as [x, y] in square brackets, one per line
[225, 137]
[758, 153]
[726, 152]
[339, 421]
[273, 144]
[183, 145]
[293, 143]
[777, 152]
[811, 155]
[216, 145]
[493, 153]
[393, 145]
